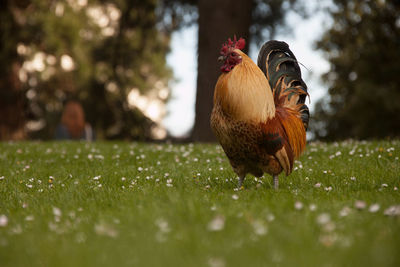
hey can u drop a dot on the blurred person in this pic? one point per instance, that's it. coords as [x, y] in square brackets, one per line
[73, 125]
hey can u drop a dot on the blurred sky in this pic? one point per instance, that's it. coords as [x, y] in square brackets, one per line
[183, 60]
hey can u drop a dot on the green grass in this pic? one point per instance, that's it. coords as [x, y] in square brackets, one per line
[67, 204]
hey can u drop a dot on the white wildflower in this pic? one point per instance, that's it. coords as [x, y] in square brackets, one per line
[216, 224]
[317, 185]
[328, 189]
[323, 218]
[359, 204]
[163, 225]
[216, 262]
[3, 220]
[298, 205]
[259, 227]
[29, 218]
[374, 208]
[105, 229]
[392, 211]
[270, 217]
[312, 207]
[344, 211]
[57, 212]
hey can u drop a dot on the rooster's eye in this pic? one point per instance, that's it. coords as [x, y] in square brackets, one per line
[234, 54]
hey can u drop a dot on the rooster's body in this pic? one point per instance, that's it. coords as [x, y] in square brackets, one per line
[261, 130]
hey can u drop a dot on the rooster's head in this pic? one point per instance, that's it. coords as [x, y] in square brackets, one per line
[229, 56]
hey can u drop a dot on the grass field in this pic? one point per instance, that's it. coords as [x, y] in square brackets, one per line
[133, 204]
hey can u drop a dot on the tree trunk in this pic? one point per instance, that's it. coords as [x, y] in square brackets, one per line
[218, 20]
[12, 122]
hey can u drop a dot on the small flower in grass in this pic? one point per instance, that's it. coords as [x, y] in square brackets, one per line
[384, 185]
[216, 262]
[169, 183]
[235, 197]
[29, 218]
[105, 229]
[344, 211]
[312, 207]
[163, 225]
[96, 178]
[328, 189]
[216, 224]
[123, 179]
[323, 218]
[352, 178]
[140, 169]
[3, 220]
[374, 208]
[317, 185]
[270, 217]
[57, 213]
[392, 211]
[259, 227]
[298, 205]
[1, 177]
[359, 204]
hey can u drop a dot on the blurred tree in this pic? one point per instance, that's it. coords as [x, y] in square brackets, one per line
[110, 55]
[11, 93]
[363, 47]
[219, 20]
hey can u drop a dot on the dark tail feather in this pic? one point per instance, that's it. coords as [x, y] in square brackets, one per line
[282, 70]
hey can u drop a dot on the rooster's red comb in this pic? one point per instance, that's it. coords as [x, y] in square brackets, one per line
[239, 44]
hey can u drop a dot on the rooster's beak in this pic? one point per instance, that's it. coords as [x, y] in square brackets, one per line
[221, 59]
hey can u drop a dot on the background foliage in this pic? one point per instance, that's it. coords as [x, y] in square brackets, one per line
[96, 52]
[364, 83]
[111, 56]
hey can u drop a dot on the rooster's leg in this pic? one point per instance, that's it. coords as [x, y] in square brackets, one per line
[240, 183]
[276, 182]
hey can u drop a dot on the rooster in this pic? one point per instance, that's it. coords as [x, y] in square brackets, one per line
[259, 114]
